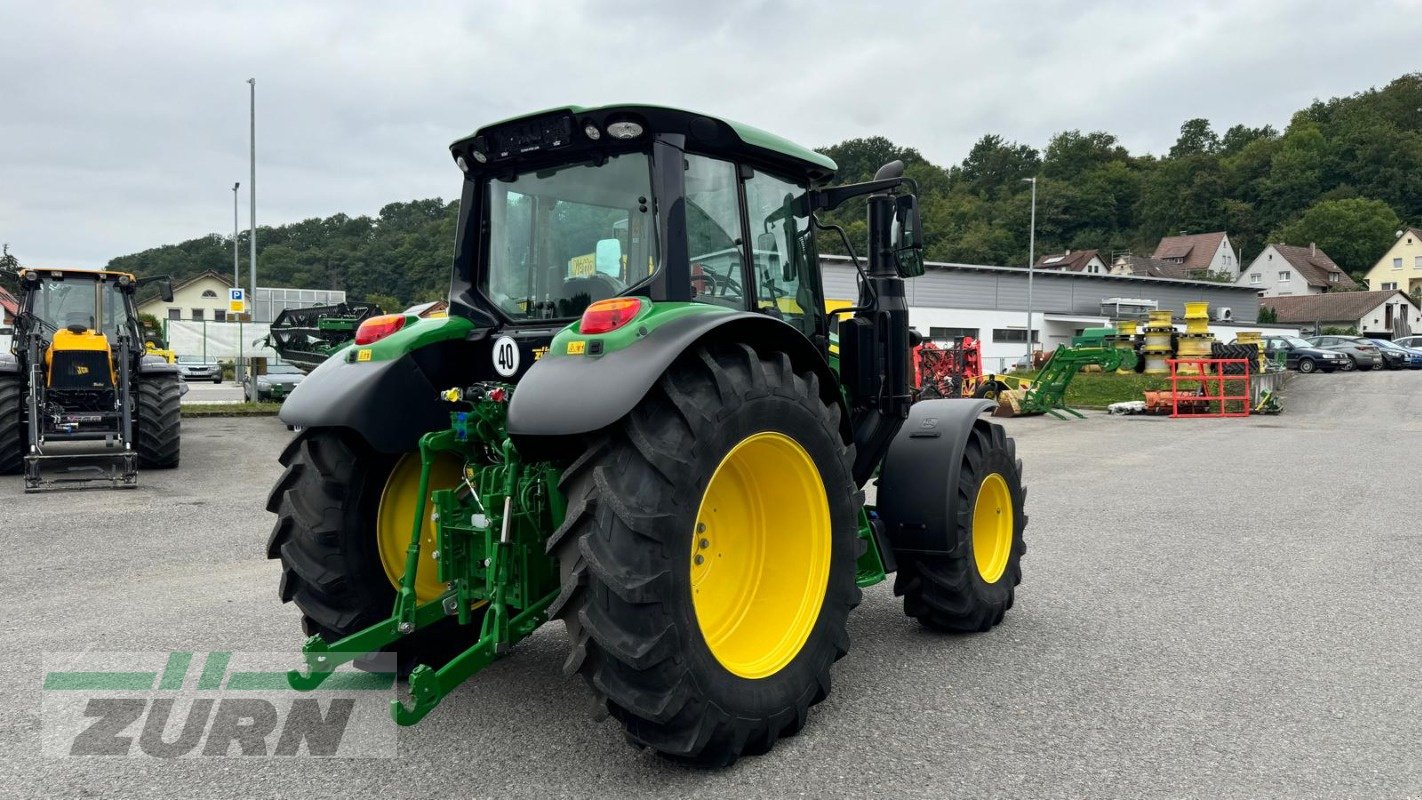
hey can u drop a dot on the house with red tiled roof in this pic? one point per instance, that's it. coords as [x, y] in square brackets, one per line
[1199, 253]
[1144, 266]
[1089, 261]
[1281, 270]
[9, 307]
[1391, 313]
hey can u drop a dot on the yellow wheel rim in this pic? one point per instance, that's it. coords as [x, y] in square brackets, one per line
[993, 527]
[397, 516]
[760, 555]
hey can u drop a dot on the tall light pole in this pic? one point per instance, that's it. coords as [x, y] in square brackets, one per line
[252, 193]
[1031, 262]
[236, 251]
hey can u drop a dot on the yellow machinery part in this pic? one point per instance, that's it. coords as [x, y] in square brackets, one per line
[760, 555]
[66, 340]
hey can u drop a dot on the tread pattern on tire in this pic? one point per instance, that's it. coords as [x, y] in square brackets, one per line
[623, 634]
[12, 429]
[327, 567]
[158, 421]
[944, 591]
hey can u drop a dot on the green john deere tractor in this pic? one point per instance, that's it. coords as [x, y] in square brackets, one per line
[637, 419]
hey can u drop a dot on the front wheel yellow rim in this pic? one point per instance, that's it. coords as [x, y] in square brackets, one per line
[396, 518]
[760, 555]
[993, 527]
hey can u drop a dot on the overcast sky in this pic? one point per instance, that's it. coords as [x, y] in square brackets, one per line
[123, 125]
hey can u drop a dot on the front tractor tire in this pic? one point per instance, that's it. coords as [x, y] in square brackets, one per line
[13, 435]
[708, 556]
[344, 518]
[969, 588]
[158, 422]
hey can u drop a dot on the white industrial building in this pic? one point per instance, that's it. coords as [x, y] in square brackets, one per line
[990, 304]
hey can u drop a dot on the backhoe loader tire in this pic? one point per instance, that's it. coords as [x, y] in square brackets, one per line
[326, 503]
[969, 588]
[651, 606]
[13, 434]
[158, 422]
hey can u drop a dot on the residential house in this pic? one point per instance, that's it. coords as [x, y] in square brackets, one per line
[1388, 313]
[9, 307]
[1200, 253]
[1284, 269]
[1401, 266]
[202, 298]
[1146, 267]
[1088, 261]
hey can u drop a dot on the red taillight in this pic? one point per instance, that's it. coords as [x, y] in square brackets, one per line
[377, 328]
[609, 315]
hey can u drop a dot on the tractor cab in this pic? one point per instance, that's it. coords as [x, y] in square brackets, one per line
[573, 206]
[78, 316]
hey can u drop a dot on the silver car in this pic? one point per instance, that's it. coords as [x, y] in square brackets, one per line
[1362, 353]
[197, 368]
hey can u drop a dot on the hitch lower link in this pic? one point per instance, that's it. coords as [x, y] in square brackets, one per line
[500, 628]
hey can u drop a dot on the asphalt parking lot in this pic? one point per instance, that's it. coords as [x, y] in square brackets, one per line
[1212, 608]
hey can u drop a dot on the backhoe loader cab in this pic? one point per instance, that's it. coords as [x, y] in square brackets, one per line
[78, 372]
[636, 419]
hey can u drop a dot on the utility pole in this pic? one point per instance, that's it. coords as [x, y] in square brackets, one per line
[252, 193]
[1031, 262]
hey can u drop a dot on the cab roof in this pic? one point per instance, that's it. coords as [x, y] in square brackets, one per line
[67, 271]
[703, 132]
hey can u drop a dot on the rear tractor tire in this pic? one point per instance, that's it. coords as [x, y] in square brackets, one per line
[158, 422]
[344, 517]
[970, 588]
[13, 435]
[708, 556]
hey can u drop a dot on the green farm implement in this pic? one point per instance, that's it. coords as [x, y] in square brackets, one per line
[1046, 393]
[305, 337]
[635, 419]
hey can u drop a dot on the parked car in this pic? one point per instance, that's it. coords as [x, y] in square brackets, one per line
[1299, 354]
[1362, 353]
[276, 384]
[1396, 356]
[1413, 342]
[197, 368]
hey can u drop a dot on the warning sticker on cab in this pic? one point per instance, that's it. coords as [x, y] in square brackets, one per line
[577, 348]
[363, 354]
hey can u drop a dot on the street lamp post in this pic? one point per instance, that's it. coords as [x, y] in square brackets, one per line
[1031, 262]
[252, 193]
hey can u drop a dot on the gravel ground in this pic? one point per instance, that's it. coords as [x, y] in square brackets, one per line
[1224, 608]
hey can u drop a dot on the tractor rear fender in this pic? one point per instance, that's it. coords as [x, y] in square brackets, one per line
[390, 404]
[8, 363]
[562, 397]
[917, 495]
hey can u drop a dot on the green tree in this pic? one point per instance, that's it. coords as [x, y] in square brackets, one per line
[9, 269]
[1196, 138]
[1354, 232]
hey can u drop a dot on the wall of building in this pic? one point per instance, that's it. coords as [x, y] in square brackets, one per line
[1070, 293]
[1224, 259]
[1401, 264]
[190, 299]
[1375, 321]
[1267, 266]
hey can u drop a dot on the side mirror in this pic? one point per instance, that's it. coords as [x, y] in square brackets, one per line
[609, 257]
[165, 290]
[908, 237]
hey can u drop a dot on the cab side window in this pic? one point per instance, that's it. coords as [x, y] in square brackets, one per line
[714, 237]
[781, 251]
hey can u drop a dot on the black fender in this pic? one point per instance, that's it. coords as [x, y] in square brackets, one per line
[568, 396]
[156, 365]
[916, 490]
[9, 363]
[390, 404]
